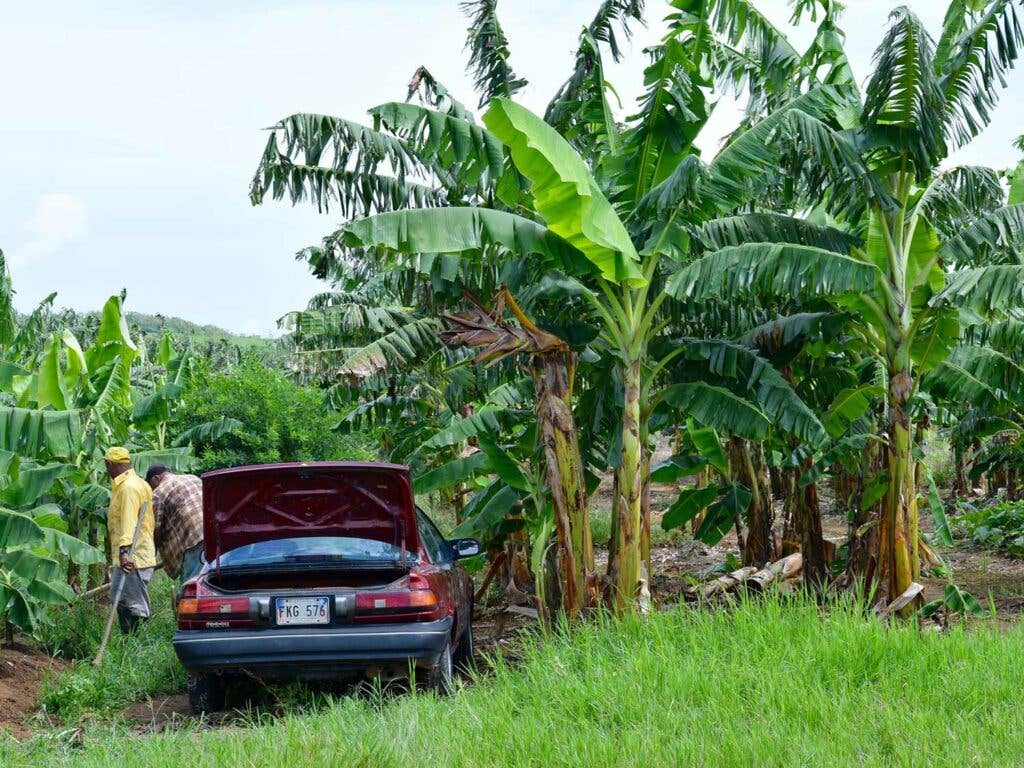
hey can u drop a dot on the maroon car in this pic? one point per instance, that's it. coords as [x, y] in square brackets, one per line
[321, 571]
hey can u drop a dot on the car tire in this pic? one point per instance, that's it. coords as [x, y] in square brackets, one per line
[205, 693]
[441, 677]
[463, 654]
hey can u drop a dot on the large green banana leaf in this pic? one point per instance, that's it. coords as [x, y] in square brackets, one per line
[457, 230]
[112, 338]
[565, 192]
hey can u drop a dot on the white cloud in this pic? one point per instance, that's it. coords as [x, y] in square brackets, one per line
[59, 218]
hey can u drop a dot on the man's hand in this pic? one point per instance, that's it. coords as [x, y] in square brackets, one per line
[126, 561]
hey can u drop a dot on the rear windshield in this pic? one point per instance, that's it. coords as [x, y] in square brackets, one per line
[314, 549]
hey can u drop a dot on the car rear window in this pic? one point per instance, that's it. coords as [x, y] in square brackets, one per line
[314, 549]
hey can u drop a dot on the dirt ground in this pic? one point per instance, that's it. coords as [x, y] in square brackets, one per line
[22, 670]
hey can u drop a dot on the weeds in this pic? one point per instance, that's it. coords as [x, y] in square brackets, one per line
[134, 667]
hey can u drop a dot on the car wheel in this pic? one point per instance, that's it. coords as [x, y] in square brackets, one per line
[205, 693]
[463, 655]
[441, 677]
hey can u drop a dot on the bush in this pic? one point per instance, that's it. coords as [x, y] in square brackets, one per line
[133, 668]
[282, 421]
[1000, 526]
[74, 631]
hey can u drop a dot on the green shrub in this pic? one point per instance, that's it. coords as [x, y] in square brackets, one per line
[73, 631]
[1000, 526]
[133, 667]
[281, 420]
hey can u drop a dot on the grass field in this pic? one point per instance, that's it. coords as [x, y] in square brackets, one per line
[764, 685]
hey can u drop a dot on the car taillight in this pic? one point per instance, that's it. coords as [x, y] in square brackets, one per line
[213, 612]
[417, 603]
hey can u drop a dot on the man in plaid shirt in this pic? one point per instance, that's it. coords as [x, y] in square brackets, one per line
[178, 506]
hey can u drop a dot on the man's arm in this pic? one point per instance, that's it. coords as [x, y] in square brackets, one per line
[129, 503]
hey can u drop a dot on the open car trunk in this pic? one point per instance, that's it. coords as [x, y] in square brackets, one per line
[249, 505]
[249, 579]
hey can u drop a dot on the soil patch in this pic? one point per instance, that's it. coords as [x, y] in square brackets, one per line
[156, 714]
[993, 578]
[22, 670]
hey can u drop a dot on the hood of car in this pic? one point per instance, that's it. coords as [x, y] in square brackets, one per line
[246, 505]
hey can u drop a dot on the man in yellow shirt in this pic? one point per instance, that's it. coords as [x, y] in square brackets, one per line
[135, 567]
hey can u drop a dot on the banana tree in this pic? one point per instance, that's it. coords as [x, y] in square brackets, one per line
[553, 368]
[938, 242]
[609, 216]
[71, 403]
[33, 543]
[981, 384]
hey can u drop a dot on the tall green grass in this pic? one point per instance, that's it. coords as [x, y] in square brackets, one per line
[767, 684]
[134, 667]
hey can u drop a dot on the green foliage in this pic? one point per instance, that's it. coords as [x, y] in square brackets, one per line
[813, 281]
[489, 54]
[31, 576]
[134, 667]
[1000, 526]
[280, 420]
[456, 230]
[955, 600]
[685, 508]
[564, 191]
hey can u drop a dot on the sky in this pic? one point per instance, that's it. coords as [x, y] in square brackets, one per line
[131, 130]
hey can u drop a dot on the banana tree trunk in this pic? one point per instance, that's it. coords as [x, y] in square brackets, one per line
[758, 546]
[74, 529]
[96, 573]
[553, 368]
[626, 577]
[807, 522]
[899, 557]
[564, 467]
[645, 509]
[777, 480]
[863, 530]
[613, 530]
[703, 480]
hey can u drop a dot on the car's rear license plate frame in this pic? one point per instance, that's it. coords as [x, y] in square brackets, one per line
[304, 611]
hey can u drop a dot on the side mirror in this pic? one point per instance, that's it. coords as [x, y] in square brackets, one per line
[465, 548]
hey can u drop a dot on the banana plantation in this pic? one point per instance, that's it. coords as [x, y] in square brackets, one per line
[689, 394]
[528, 302]
[69, 386]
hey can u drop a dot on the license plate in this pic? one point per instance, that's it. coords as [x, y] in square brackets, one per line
[303, 610]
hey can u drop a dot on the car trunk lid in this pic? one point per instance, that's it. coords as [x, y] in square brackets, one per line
[246, 505]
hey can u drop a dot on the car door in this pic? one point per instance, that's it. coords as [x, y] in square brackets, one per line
[458, 583]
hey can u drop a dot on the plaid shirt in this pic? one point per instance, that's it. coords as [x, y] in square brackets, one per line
[178, 504]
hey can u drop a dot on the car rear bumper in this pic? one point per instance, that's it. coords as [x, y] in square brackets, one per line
[313, 652]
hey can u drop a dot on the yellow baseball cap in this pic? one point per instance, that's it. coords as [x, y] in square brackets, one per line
[117, 455]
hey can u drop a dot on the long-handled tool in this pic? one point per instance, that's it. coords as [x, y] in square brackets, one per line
[120, 588]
